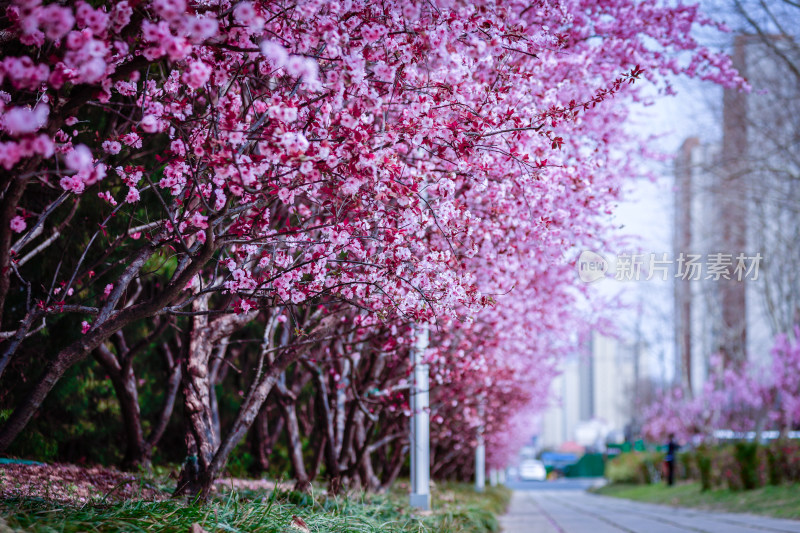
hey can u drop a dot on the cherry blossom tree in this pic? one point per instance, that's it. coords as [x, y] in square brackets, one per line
[228, 162]
[786, 376]
[742, 398]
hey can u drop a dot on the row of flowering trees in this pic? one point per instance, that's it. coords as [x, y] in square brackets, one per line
[753, 395]
[268, 194]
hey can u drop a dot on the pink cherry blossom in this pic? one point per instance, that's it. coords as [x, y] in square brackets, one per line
[244, 13]
[18, 224]
[105, 195]
[741, 397]
[275, 53]
[21, 120]
[56, 21]
[199, 221]
[132, 139]
[112, 147]
[200, 28]
[197, 75]
[79, 158]
[121, 15]
[149, 124]
[132, 196]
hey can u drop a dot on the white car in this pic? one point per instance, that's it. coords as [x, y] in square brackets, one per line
[532, 470]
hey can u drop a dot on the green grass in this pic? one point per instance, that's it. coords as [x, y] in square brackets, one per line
[456, 509]
[779, 501]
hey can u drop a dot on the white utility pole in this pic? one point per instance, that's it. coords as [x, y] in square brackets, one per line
[480, 454]
[420, 425]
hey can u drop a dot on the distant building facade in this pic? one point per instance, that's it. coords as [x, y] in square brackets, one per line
[740, 199]
[593, 397]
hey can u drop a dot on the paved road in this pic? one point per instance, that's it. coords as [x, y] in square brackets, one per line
[565, 483]
[574, 511]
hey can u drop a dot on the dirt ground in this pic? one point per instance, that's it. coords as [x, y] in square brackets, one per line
[72, 484]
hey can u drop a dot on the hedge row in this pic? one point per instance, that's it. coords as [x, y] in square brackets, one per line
[738, 466]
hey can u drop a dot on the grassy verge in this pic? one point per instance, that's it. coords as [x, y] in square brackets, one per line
[778, 501]
[456, 509]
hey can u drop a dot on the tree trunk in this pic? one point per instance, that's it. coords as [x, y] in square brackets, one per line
[265, 437]
[197, 404]
[390, 474]
[369, 480]
[295, 446]
[319, 454]
[341, 404]
[214, 379]
[189, 478]
[267, 372]
[173, 384]
[197, 400]
[326, 419]
[287, 399]
[124, 382]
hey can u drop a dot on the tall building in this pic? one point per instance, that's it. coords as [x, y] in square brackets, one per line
[737, 211]
[593, 397]
[694, 236]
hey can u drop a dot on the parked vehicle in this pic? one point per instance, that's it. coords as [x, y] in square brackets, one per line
[532, 470]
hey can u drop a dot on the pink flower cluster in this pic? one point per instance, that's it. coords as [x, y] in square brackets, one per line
[738, 396]
[86, 172]
[21, 120]
[36, 22]
[12, 152]
[197, 75]
[23, 73]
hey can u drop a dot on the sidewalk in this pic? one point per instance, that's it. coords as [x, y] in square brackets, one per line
[543, 511]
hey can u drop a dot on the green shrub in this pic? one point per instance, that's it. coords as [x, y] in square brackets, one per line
[652, 467]
[783, 461]
[789, 452]
[763, 466]
[774, 465]
[687, 469]
[704, 464]
[747, 459]
[31, 444]
[727, 465]
[741, 466]
[635, 467]
[623, 468]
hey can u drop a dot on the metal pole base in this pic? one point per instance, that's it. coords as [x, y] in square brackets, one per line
[420, 501]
